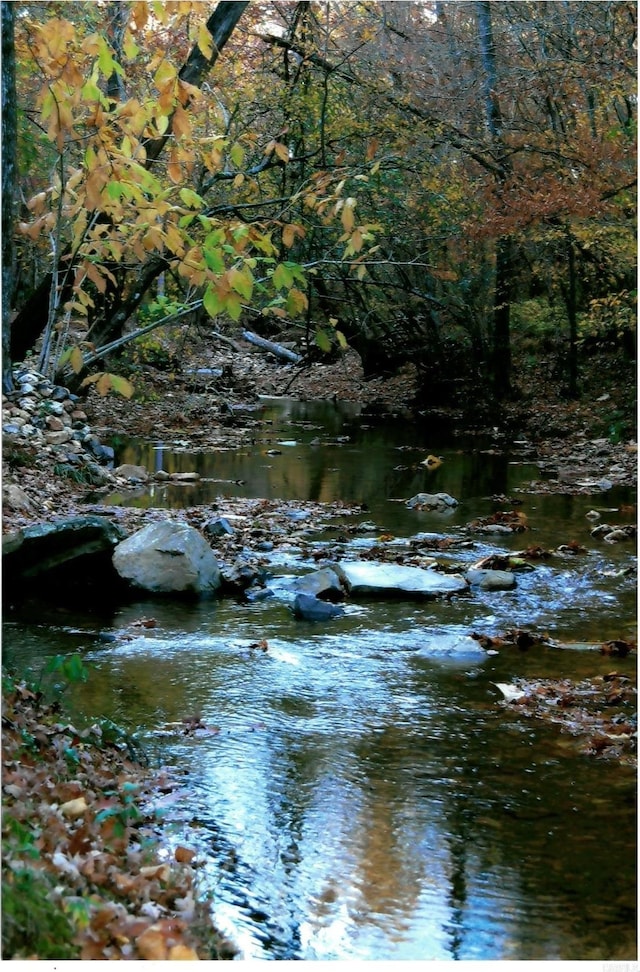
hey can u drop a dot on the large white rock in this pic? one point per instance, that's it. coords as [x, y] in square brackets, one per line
[168, 557]
[363, 577]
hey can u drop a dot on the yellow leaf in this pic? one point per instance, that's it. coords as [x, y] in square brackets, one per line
[205, 41]
[165, 74]
[175, 241]
[347, 216]
[296, 301]
[103, 384]
[182, 953]
[76, 360]
[74, 808]
[431, 462]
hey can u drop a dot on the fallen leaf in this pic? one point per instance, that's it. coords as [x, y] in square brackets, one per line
[160, 871]
[511, 693]
[151, 945]
[184, 855]
[182, 953]
[74, 808]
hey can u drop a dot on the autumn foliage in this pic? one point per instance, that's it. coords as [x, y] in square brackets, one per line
[433, 182]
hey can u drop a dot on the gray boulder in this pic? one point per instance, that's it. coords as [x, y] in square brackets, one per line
[60, 557]
[168, 557]
[310, 608]
[363, 577]
[130, 471]
[219, 527]
[432, 501]
[324, 582]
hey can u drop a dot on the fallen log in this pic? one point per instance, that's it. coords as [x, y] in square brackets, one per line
[277, 349]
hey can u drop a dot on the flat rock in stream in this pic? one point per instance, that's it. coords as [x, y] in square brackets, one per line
[395, 580]
[449, 646]
[432, 501]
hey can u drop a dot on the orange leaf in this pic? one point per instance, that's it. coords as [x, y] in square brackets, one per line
[95, 276]
[181, 123]
[182, 953]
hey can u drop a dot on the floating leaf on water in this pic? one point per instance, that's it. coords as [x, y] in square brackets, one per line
[432, 462]
[511, 693]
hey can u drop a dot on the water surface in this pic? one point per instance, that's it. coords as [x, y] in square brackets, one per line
[362, 793]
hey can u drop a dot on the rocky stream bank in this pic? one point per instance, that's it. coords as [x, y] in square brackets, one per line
[59, 463]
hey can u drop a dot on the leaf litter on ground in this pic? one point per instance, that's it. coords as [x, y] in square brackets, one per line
[82, 847]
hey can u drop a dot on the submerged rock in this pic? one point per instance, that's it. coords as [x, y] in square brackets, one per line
[168, 557]
[449, 646]
[491, 580]
[363, 577]
[310, 608]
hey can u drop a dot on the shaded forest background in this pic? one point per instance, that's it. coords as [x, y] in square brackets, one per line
[451, 184]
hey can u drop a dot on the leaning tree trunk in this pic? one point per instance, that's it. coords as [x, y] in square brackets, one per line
[9, 180]
[108, 311]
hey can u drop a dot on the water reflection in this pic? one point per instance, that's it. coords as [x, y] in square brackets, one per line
[363, 797]
[362, 802]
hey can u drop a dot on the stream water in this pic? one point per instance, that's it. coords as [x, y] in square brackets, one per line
[365, 795]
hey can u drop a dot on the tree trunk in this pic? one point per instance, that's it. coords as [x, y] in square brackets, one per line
[9, 181]
[501, 356]
[570, 301]
[30, 321]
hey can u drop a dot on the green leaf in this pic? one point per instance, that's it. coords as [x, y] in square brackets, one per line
[191, 199]
[242, 282]
[122, 386]
[114, 190]
[212, 302]
[282, 276]
[237, 154]
[233, 307]
[214, 259]
[323, 340]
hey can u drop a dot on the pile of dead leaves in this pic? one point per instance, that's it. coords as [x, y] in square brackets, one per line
[83, 870]
[503, 521]
[599, 711]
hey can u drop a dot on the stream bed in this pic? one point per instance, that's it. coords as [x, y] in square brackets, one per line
[361, 791]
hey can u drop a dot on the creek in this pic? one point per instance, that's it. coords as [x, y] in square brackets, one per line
[362, 793]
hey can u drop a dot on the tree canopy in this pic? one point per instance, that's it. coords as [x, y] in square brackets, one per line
[425, 181]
